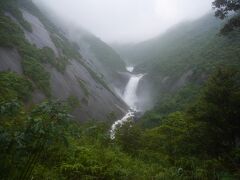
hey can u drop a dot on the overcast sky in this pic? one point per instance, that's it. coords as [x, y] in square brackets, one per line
[127, 20]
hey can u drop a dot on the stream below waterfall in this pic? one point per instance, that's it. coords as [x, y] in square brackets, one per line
[131, 99]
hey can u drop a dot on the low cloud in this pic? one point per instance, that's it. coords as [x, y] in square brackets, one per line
[126, 21]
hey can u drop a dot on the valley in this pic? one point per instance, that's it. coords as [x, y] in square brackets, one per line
[73, 106]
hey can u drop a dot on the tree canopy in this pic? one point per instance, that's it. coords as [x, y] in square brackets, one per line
[223, 8]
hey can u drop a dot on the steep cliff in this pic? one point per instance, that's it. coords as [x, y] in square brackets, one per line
[32, 46]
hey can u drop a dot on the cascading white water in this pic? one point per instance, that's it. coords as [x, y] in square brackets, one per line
[120, 122]
[130, 68]
[131, 99]
[130, 93]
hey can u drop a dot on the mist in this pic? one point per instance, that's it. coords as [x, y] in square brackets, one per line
[126, 21]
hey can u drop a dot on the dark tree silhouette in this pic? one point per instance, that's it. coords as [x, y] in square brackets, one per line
[222, 9]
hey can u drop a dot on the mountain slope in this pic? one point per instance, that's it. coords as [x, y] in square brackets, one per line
[98, 55]
[35, 48]
[186, 54]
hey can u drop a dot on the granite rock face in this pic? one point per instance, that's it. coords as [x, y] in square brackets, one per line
[96, 100]
[10, 60]
[39, 35]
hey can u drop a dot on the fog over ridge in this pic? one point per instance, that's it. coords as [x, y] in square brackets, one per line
[125, 21]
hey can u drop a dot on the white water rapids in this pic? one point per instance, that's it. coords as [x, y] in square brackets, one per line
[130, 68]
[130, 93]
[131, 99]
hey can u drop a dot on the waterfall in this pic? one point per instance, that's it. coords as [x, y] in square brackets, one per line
[131, 99]
[120, 122]
[130, 68]
[130, 93]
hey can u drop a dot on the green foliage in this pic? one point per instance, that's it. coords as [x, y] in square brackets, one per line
[83, 86]
[219, 110]
[11, 127]
[105, 54]
[33, 69]
[11, 6]
[186, 54]
[73, 102]
[170, 103]
[43, 144]
[68, 48]
[10, 32]
[112, 116]
[174, 137]
[47, 55]
[27, 138]
[224, 7]
[9, 108]
[205, 133]
[186, 136]
[71, 51]
[61, 63]
[129, 137]
[197, 141]
[33, 59]
[13, 37]
[13, 86]
[232, 24]
[97, 78]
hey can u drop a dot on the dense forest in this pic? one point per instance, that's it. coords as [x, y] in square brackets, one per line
[198, 142]
[191, 133]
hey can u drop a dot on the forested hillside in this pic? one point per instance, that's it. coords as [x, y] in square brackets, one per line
[57, 103]
[192, 73]
[185, 55]
[197, 142]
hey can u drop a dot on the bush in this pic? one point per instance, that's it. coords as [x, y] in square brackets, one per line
[33, 69]
[14, 86]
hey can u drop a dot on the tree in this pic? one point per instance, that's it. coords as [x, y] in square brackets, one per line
[219, 110]
[129, 137]
[223, 7]
[175, 137]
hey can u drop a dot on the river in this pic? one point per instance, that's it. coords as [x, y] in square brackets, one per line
[131, 99]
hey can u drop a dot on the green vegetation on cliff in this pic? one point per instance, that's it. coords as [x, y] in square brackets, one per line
[105, 54]
[33, 59]
[200, 141]
[13, 37]
[11, 6]
[13, 86]
[192, 133]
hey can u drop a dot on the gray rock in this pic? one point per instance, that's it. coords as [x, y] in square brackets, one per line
[10, 60]
[101, 101]
[183, 80]
[97, 103]
[39, 35]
